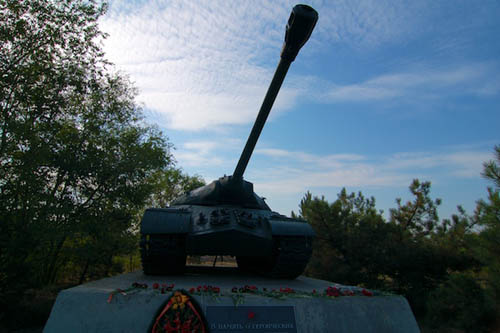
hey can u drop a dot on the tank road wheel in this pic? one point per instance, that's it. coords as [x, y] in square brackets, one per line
[289, 258]
[163, 254]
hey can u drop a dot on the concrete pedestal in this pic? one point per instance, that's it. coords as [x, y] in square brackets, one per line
[85, 308]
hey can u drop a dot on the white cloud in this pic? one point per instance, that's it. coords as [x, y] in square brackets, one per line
[315, 171]
[198, 153]
[206, 153]
[315, 161]
[196, 62]
[203, 64]
[207, 64]
[473, 79]
[367, 22]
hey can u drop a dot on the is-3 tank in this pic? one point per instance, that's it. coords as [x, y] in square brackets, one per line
[226, 217]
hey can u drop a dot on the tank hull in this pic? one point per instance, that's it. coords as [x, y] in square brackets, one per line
[256, 237]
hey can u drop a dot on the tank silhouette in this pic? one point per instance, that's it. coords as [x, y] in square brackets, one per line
[226, 217]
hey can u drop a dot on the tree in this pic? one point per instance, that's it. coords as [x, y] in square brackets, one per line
[419, 217]
[409, 254]
[491, 169]
[351, 239]
[171, 183]
[76, 158]
[488, 216]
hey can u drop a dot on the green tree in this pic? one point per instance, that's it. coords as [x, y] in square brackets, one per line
[409, 254]
[76, 158]
[418, 217]
[171, 183]
[488, 216]
[351, 243]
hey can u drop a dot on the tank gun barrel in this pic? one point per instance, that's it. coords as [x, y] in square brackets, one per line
[298, 30]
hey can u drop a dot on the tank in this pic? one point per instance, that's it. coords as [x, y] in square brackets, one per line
[226, 217]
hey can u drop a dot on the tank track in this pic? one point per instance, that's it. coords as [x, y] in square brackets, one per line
[163, 254]
[288, 260]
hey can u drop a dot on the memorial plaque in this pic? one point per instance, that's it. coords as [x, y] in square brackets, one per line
[267, 319]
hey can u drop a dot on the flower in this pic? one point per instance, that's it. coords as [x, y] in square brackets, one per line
[333, 291]
[348, 293]
[156, 285]
[287, 290]
[366, 292]
[179, 300]
[251, 315]
[192, 290]
[234, 290]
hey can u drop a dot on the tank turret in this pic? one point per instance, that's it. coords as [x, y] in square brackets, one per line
[226, 217]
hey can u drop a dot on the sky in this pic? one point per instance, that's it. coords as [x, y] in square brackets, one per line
[383, 92]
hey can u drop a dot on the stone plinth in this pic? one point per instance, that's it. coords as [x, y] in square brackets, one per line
[85, 308]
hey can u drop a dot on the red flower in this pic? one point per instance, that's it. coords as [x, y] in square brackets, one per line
[216, 289]
[251, 315]
[333, 291]
[348, 293]
[156, 285]
[192, 290]
[366, 292]
[314, 291]
[234, 290]
[287, 290]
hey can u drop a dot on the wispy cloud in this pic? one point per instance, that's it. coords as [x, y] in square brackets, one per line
[397, 170]
[473, 79]
[198, 63]
[206, 64]
[315, 161]
[208, 154]
[198, 153]
[368, 22]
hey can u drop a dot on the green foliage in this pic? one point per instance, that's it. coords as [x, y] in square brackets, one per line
[171, 183]
[488, 217]
[419, 217]
[351, 238]
[409, 254]
[491, 169]
[77, 161]
[461, 303]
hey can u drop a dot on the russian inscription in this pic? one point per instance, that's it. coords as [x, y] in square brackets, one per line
[255, 319]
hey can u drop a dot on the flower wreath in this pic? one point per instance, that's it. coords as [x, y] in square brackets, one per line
[180, 313]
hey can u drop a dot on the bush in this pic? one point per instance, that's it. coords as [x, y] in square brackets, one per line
[461, 303]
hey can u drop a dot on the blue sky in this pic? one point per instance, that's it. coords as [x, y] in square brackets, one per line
[383, 92]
